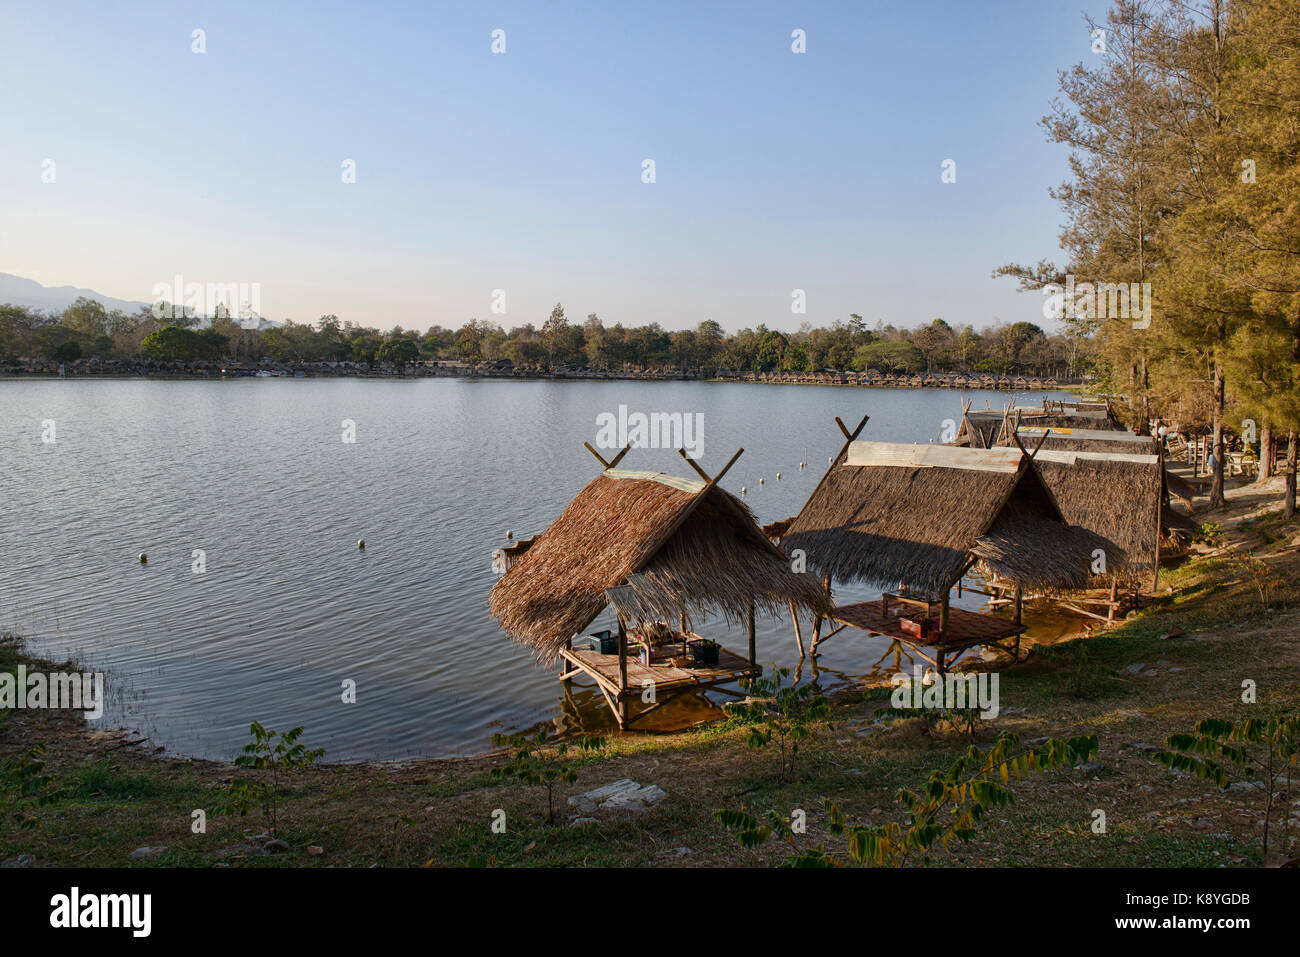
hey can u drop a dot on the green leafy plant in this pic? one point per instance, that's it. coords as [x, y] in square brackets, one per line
[945, 811]
[25, 784]
[1258, 749]
[1211, 534]
[536, 765]
[781, 712]
[274, 756]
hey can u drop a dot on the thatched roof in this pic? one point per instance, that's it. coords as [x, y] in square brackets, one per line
[1070, 419]
[987, 427]
[1115, 496]
[980, 430]
[1084, 440]
[888, 514]
[654, 546]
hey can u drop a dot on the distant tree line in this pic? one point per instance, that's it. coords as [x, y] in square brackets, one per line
[86, 329]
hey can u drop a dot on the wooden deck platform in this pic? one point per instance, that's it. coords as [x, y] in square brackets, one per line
[669, 679]
[966, 629]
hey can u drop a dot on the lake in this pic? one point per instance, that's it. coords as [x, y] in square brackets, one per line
[257, 476]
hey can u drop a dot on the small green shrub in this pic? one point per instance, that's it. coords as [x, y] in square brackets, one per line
[24, 784]
[1258, 749]
[976, 783]
[533, 765]
[781, 712]
[272, 756]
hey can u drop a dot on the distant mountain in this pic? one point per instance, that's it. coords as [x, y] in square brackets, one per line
[16, 290]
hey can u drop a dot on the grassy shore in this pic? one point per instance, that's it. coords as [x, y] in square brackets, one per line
[1197, 642]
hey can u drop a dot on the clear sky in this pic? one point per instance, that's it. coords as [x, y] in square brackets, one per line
[522, 171]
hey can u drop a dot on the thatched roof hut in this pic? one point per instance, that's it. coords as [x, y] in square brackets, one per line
[1097, 420]
[887, 514]
[980, 430]
[655, 547]
[1073, 429]
[1069, 439]
[1117, 497]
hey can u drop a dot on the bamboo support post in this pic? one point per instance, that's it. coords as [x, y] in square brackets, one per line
[753, 656]
[817, 622]
[1160, 504]
[1020, 607]
[798, 634]
[621, 711]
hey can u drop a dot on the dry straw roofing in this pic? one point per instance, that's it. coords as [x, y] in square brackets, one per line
[1085, 440]
[676, 544]
[1114, 496]
[889, 514]
[985, 428]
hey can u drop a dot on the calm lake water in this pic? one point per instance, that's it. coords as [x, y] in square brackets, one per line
[256, 475]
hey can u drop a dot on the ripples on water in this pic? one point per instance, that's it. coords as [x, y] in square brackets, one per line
[255, 473]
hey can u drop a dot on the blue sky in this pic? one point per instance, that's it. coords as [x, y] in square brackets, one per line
[521, 171]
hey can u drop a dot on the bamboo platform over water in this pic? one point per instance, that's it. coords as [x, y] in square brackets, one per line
[667, 674]
[964, 629]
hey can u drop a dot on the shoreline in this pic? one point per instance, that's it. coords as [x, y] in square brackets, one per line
[1072, 388]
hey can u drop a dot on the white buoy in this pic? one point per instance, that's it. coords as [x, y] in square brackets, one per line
[760, 481]
[743, 490]
[509, 535]
[361, 544]
[144, 559]
[778, 476]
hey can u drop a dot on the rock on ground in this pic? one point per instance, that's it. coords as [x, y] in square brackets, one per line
[621, 795]
[143, 853]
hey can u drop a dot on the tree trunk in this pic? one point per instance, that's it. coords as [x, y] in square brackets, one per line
[1265, 454]
[1290, 475]
[1216, 485]
[1144, 379]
